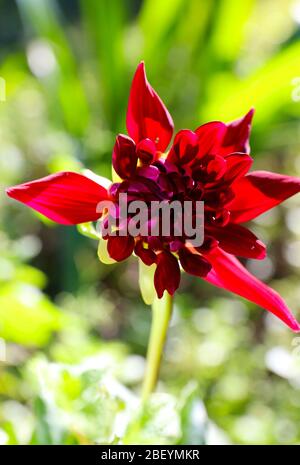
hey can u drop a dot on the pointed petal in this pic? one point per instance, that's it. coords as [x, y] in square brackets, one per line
[120, 247]
[124, 158]
[237, 240]
[104, 182]
[217, 138]
[64, 197]
[147, 117]
[210, 136]
[193, 263]
[258, 192]
[167, 274]
[236, 137]
[230, 274]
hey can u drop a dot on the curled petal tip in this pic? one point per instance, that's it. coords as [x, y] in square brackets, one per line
[263, 252]
[295, 326]
[17, 192]
[251, 112]
[9, 191]
[249, 116]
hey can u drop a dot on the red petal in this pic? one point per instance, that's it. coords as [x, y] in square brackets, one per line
[208, 245]
[194, 264]
[167, 274]
[237, 240]
[184, 148]
[238, 165]
[65, 197]
[120, 247]
[147, 117]
[258, 192]
[217, 138]
[146, 255]
[210, 136]
[229, 273]
[236, 137]
[146, 150]
[124, 158]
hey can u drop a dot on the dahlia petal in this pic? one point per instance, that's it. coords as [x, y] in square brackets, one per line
[210, 136]
[124, 158]
[104, 182]
[237, 240]
[149, 172]
[228, 273]
[236, 137]
[120, 247]
[185, 147]
[65, 197]
[146, 151]
[238, 165]
[146, 255]
[147, 116]
[258, 192]
[216, 168]
[167, 274]
[208, 245]
[193, 263]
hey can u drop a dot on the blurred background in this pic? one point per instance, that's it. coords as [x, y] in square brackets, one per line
[73, 331]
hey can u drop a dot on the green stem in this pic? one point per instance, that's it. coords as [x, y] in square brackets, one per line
[161, 314]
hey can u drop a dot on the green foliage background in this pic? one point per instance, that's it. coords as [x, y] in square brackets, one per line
[74, 331]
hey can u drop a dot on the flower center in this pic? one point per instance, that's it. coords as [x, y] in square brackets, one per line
[165, 184]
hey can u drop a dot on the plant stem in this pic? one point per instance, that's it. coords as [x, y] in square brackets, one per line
[161, 314]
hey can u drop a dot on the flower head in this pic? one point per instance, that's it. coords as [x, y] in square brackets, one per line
[210, 164]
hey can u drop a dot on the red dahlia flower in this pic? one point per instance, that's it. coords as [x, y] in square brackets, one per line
[210, 164]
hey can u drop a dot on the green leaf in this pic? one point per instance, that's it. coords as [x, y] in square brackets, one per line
[27, 316]
[155, 422]
[103, 254]
[28, 274]
[146, 282]
[193, 416]
[88, 230]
